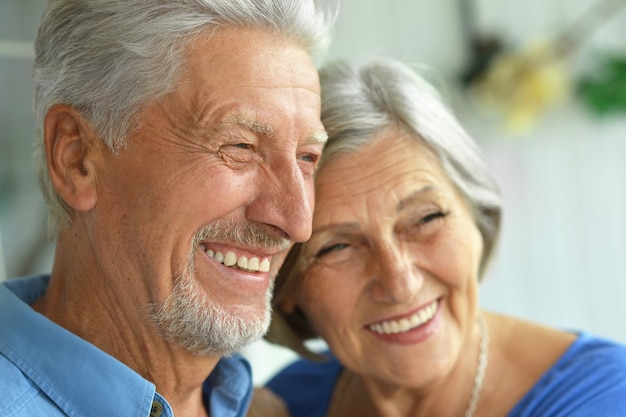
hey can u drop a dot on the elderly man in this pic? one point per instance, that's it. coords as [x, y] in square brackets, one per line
[178, 142]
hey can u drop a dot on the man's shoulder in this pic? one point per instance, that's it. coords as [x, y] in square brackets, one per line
[21, 397]
[27, 289]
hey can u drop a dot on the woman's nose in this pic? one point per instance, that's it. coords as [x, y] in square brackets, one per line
[395, 277]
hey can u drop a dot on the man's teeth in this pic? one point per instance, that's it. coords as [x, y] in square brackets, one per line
[402, 325]
[249, 264]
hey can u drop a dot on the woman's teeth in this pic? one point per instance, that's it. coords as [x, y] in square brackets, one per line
[402, 325]
[249, 264]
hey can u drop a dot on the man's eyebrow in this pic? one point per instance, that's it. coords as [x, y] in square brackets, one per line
[268, 130]
[255, 126]
[318, 137]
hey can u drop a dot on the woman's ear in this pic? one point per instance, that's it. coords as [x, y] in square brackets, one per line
[286, 305]
[70, 156]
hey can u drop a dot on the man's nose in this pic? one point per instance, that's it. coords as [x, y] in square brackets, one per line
[284, 200]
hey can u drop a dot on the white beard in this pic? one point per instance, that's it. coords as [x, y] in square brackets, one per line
[201, 325]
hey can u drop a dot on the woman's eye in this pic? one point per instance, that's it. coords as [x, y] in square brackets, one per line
[421, 226]
[332, 248]
[432, 216]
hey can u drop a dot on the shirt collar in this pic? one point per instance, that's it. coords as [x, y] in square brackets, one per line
[80, 378]
[228, 389]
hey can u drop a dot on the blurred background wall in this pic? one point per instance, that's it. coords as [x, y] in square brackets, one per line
[22, 211]
[563, 250]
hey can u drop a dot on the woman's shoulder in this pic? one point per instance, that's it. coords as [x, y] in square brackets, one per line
[559, 349]
[588, 379]
[594, 355]
[306, 386]
[556, 372]
[308, 372]
[265, 403]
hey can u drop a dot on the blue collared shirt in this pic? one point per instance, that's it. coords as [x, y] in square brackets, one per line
[46, 371]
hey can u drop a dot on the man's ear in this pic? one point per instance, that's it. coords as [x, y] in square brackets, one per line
[70, 154]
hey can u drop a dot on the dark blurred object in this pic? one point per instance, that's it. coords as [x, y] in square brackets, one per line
[523, 82]
[482, 48]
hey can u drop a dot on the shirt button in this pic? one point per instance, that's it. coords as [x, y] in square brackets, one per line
[157, 409]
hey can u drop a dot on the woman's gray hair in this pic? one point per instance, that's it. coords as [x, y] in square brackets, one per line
[106, 58]
[360, 102]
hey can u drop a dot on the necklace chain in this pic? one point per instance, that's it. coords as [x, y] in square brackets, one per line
[479, 378]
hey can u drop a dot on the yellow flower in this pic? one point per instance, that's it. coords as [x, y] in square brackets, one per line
[525, 84]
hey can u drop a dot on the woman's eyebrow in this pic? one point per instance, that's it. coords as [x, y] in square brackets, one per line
[343, 227]
[414, 196]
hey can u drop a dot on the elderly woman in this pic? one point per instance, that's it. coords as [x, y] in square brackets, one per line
[406, 221]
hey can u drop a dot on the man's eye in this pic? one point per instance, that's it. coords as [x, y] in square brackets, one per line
[308, 163]
[235, 154]
[309, 158]
[332, 248]
[242, 145]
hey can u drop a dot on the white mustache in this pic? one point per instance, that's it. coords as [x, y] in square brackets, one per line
[248, 234]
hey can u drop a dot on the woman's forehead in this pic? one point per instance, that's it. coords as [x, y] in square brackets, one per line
[387, 167]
